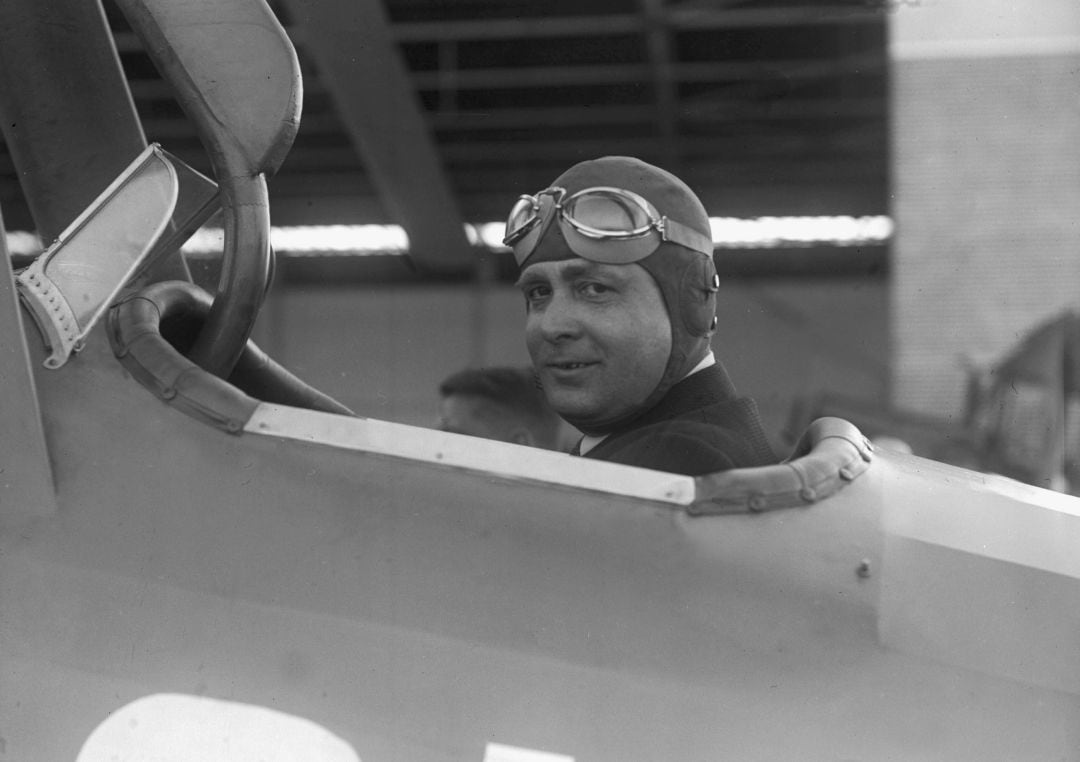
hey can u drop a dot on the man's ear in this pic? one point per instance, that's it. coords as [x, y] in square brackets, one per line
[522, 436]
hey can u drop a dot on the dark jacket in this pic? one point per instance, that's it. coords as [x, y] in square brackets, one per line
[699, 427]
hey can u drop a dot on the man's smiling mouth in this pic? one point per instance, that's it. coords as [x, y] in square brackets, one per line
[569, 365]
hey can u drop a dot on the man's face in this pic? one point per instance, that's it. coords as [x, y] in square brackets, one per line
[599, 336]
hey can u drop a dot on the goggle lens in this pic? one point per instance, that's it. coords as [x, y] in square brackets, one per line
[608, 214]
[524, 215]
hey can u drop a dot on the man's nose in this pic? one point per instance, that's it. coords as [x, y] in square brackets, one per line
[561, 320]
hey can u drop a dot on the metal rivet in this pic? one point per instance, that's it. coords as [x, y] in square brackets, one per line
[233, 426]
[756, 503]
[715, 282]
[712, 326]
[807, 494]
[168, 392]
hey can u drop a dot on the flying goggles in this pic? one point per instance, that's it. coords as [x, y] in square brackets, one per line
[606, 225]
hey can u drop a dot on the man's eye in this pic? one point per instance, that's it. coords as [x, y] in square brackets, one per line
[594, 289]
[532, 293]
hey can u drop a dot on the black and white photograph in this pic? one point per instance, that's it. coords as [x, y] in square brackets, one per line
[516, 381]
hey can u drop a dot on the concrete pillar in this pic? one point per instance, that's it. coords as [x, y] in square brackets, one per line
[986, 184]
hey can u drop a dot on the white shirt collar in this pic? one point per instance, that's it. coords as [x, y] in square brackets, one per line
[706, 361]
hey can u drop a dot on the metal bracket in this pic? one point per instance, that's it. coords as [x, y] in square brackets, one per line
[51, 312]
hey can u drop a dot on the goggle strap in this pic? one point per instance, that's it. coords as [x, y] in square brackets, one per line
[685, 236]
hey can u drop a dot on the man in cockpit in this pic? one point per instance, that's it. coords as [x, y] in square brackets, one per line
[617, 272]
